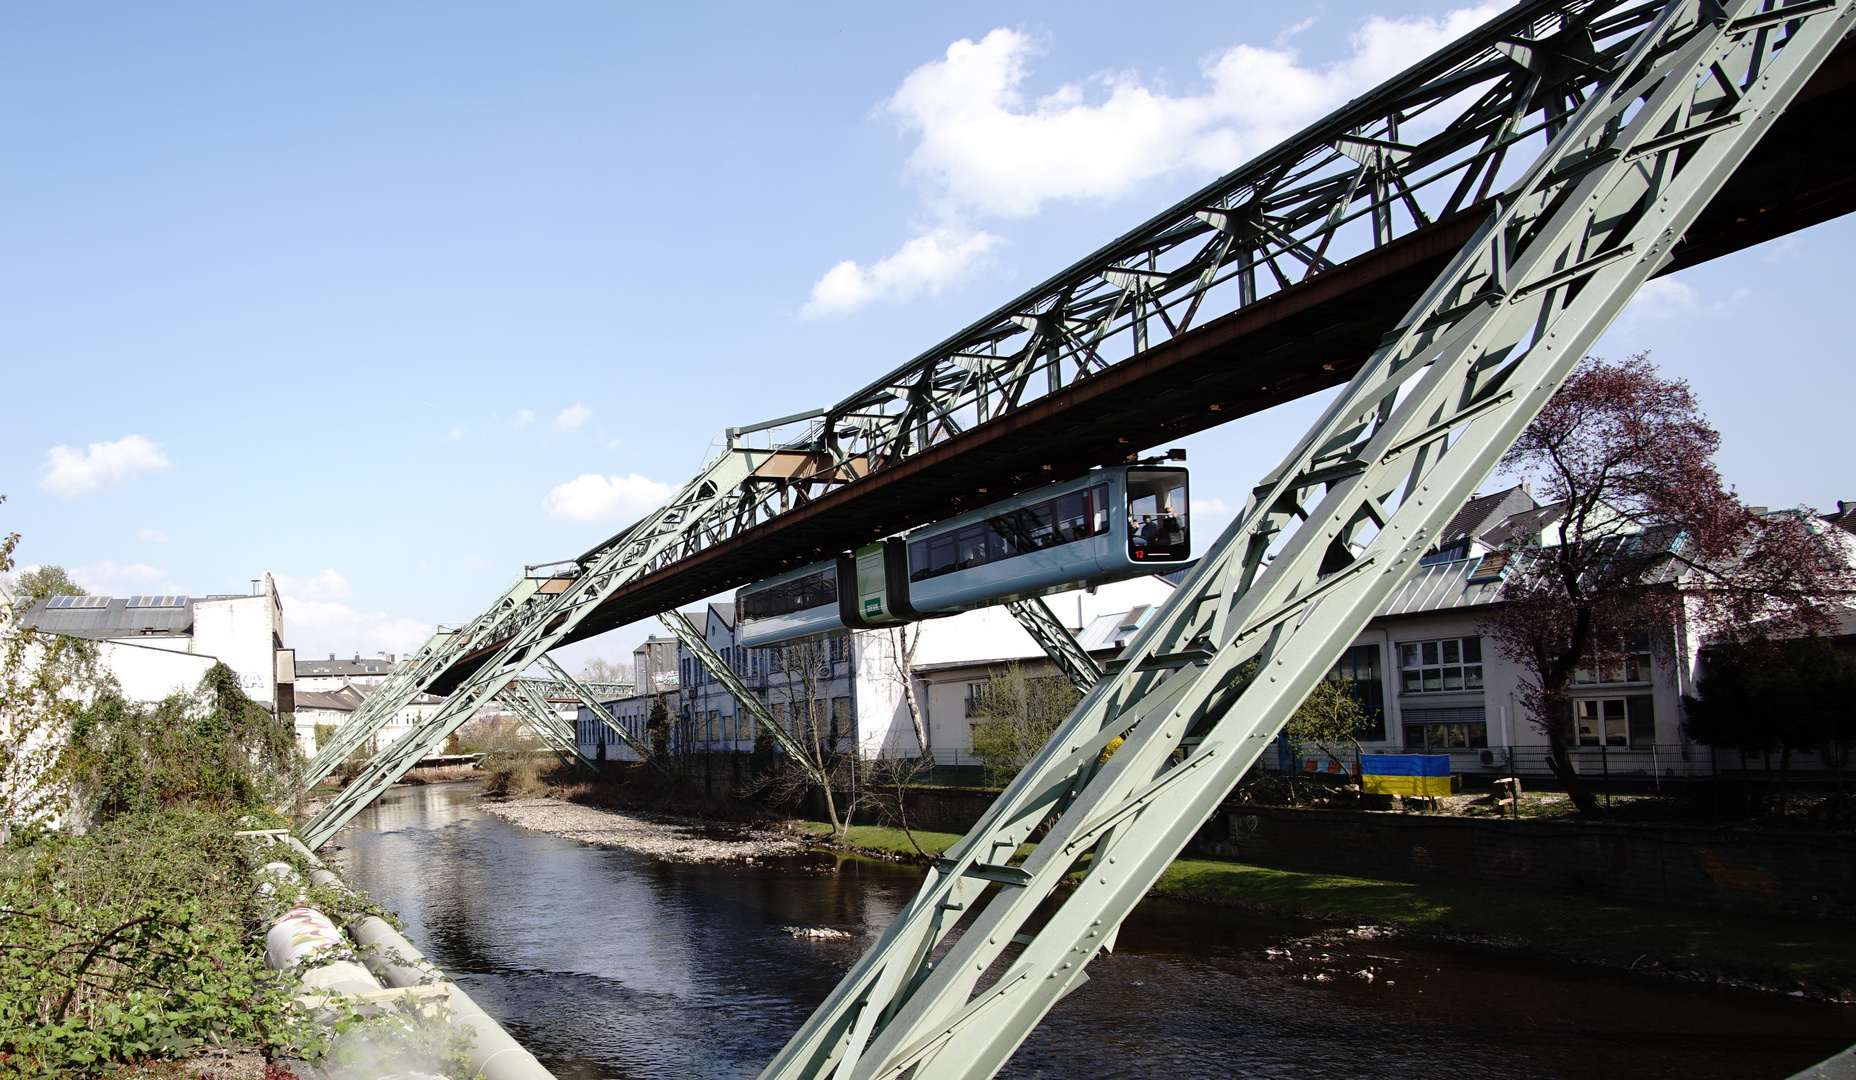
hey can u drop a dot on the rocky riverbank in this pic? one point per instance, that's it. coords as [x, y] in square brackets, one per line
[659, 836]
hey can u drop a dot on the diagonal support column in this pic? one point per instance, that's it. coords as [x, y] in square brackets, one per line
[521, 698]
[642, 749]
[514, 635]
[1057, 642]
[687, 634]
[411, 676]
[1321, 547]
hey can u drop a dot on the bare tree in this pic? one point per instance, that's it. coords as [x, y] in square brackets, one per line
[806, 668]
[898, 645]
[601, 670]
[1646, 534]
[1015, 714]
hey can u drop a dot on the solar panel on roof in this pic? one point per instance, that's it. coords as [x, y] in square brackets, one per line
[157, 601]
[77, 602]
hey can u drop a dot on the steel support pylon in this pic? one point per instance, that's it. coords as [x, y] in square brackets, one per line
[1057, 642]
[686, 634]
[588, 699]
[1323, 543]
[524, 632]
[555, 732]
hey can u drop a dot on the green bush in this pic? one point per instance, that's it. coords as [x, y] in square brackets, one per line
[132, 942]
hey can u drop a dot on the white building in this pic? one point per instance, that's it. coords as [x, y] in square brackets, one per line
[156, 646]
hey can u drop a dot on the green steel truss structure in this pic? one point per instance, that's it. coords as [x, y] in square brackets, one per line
[1397, 171]
[1057, 642]
[1571, 143]
[1671, 99]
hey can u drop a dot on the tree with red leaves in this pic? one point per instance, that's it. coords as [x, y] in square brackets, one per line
[1641, 537]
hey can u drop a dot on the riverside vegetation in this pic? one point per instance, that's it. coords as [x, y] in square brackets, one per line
[131, 921]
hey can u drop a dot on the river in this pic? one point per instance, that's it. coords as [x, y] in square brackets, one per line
[609, 965]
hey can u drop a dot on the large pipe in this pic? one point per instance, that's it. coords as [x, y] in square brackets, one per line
[390, 957]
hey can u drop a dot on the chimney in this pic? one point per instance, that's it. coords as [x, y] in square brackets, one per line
[257, 586]
[331, 656]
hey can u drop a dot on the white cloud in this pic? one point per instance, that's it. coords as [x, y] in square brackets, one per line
[592, 497]
[984, 149]
[930, 262]
[523, 416]
[572, 417]
[315, 627]
[328, 585]
[1664, 299]
[70, 473]
[108, 578]
[473, 562]
[1211, 507]
[454, 434]
[155, 535]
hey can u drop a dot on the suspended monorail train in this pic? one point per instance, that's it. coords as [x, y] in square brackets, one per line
[1106, 525]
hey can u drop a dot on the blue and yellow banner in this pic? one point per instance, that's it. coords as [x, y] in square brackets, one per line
[1424, 775]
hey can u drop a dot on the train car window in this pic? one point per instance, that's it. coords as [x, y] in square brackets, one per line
[1157, 515]
[1073, 518]
[1063, 520]
[970, 547]
[799, 594]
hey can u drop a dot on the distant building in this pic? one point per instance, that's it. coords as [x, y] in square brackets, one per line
[156, 646]
[322, 676]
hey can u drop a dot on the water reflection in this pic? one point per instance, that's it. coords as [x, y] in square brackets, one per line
[609, 965]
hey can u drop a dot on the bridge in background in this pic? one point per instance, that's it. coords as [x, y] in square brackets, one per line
[1447, 246]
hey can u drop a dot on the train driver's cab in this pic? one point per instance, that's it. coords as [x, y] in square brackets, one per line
[1158, 515]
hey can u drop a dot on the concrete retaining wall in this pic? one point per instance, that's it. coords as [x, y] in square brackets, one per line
[1759, 871]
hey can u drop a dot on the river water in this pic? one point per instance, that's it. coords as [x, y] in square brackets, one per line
[606, 964]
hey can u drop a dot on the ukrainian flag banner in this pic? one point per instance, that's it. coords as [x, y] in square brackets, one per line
[1425, 775]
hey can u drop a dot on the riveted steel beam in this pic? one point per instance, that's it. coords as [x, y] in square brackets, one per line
[1056, 641]
[691, 638]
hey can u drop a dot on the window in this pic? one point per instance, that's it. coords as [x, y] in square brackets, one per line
[1446, 729]
[1618, 721]
[1157, 515]
[1070, 517]
[1627, 660]
[1454, 553]
[1427, 667]
[799, 594]
[1360, 666]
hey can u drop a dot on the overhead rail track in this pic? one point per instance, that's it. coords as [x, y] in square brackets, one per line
[1280, 279]
[1677, 97]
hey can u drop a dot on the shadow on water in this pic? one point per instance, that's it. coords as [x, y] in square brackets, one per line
[610, 965]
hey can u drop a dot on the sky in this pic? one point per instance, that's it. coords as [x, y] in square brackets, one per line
[392, 300]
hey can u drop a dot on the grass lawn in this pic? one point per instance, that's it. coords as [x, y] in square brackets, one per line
[1788, 952]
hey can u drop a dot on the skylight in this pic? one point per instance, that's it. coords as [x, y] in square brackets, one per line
[78, 602]
[157, 601]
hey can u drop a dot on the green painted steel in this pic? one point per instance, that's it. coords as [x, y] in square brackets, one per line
[1056, 641]
[598, 709]
[692, 639]
[1671, 99]
[522, 631]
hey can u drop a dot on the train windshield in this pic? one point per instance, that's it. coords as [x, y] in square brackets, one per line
[786, 597]
[1157, 515]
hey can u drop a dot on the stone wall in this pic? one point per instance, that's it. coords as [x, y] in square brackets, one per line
[1766, 871]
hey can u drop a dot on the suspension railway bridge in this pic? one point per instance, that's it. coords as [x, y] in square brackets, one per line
[1447, 247]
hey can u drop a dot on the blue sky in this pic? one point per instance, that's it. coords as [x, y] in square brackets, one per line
[391, 300]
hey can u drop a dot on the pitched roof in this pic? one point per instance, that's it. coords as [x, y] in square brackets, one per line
[344, 700]
[110, 617]
[1484, 513]
[1845, 515]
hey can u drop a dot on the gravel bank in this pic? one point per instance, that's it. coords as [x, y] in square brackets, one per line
[661, 837]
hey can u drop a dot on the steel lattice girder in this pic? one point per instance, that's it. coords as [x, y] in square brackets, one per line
[415, 675]
[1366, 232]
[1272, 282]
[1322, 545]
[1057, 642]
[529, 623]
[692, 639]
[598, 709]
